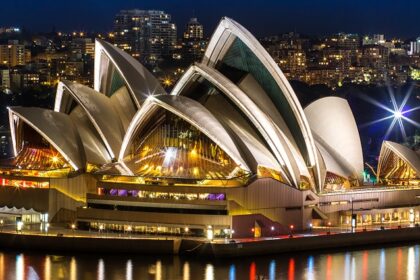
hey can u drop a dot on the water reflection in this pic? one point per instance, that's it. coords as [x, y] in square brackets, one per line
[410, 265]
[347, 266]
[186, 271]
[73, 269]
[2, 273]
[291, 269]
[232, 272]
[310, 269]
[129, 271]
[252, 271]
[209, 272]
[365, 265]
[101, 270]
[20, 267]
[158, 275]
[47, 268]
[384, 263]
[272, 270]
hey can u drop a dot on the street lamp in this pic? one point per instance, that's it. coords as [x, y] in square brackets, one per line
[291, 227]
[2, 224]
[310, 227]
[73, 227]
[47, 225]
[411, 217]
[210, 233]
[19, 226]
[329, 228]
[272, 231]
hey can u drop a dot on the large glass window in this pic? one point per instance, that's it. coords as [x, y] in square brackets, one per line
[37, 153]
[169, 146]
[239, 61]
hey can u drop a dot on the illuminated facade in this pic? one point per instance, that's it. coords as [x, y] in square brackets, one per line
[230, 147]
[398, 165]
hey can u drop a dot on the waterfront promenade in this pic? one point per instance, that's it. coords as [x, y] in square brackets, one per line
[68, 240]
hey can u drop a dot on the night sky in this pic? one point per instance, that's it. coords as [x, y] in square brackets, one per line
[262, 17]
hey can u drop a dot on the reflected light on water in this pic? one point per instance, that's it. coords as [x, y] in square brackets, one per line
[353, 268]
[252, 271]
[20, 267]
[310, 271]
[47, 268]
[158, 275]
[291, 275]
[186, 271]
[382, 265]
[101, 270]
[328, 267]
[272, 270]
[129, 270]
[365, 265]
[2, 266]
[73, 269]
[347, 266]
[399, 263]
[232, 272]
[411, 273]
[209, 275]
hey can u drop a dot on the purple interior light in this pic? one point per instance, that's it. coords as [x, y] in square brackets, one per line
[122, 192]
[113, 192]
[216, 196]
[133, 193]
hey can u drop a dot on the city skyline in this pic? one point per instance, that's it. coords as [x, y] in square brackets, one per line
[273, 18]
[173, 134]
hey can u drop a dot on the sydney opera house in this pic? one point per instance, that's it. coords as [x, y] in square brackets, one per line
[229, 148]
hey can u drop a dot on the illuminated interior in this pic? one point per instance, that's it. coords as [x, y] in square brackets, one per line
[168, 146]
[37, 153]
[265, 172]
[160, 195]
[335, 182]
[397, 171]
[23, 183]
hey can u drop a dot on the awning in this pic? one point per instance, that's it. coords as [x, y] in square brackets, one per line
[16, 211]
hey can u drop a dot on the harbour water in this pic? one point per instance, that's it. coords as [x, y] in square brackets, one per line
[391, 262]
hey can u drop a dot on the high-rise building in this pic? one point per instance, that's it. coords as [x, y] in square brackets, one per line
[4, 79]
[193, 43]
[194, 30]
[12, 54]
[145, 34]
[414, 47]
[82, 46]
[376, 39]
[343, 40]
[5, 141]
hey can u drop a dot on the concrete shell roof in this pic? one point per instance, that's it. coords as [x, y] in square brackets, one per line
[192, 112]
[335, 129]
[140, 82]
[219, 44]
[284, 153]
[57, 128]
[100, 111]
[409, 156]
